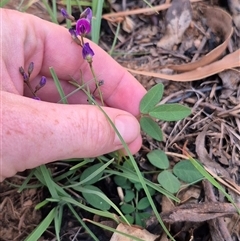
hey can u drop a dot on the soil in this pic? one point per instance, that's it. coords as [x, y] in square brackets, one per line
[211, 134]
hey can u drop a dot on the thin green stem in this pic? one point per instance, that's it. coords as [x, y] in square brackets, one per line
[97, 83]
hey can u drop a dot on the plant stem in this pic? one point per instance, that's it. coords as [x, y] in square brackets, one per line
[96, 83]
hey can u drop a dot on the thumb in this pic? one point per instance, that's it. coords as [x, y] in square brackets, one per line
[37, 132]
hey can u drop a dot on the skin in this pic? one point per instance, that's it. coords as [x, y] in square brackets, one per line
[38, 132]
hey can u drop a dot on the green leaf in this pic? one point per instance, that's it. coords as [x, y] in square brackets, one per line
[143, 204]
[87, 172]
[150, 127]
[138, 186]
[169, 181]
[122, 182]
[170, 112]
[129, 195]
[94, 199]
[151, 98]
[158, 159]
[127, 208]
[151, 191]
[186, 172]
[138, 220]
[58, 221]
[58, 85]
[129, 218]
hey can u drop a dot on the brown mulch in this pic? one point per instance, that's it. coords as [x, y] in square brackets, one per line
[211, 134]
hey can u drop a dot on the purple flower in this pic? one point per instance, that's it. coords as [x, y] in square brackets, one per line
[83, 26]
[87, 52]
[87, 13]
[66, 15]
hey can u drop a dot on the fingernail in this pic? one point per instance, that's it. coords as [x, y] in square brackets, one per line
[128, 128]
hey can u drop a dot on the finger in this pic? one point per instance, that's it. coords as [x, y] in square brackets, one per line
[43, 132]
[47, 44]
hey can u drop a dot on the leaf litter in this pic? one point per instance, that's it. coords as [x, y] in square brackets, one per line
[200, 69]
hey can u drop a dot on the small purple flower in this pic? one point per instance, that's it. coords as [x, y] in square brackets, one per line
[43, 81]
[87, 13]
[83, 26]
[66, 15]
[87, 52]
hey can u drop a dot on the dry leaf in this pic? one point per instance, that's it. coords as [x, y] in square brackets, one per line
[223, 28]
[230, 61]
[128, 25]
[199, 212]
[178, 19]
[234, 6]
[136, 232]
[230, 82]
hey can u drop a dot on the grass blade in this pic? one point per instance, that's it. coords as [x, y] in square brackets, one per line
[42, 227]
[97, 6]
[58, 85]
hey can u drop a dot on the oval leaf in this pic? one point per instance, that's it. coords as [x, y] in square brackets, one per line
[129, 218]
[143, 204]
[151, 128]
[169, 181]
[87, 172]
[158, 159]
[129, 195]
[170, 112]
[151, 98]
[186, 172]
[94, 200]
[127, 208]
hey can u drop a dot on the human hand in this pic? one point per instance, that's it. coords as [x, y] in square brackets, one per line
[38, 132]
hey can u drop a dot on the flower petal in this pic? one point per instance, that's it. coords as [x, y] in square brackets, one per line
[83, 26]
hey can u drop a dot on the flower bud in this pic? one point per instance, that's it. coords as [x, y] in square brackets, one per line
[36, 98]
[43, 81]
[66, 15]
[87, 13]
[25, 77]
[74, 36]
[21, 70]
[30, 68]
[87, 52]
